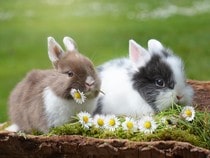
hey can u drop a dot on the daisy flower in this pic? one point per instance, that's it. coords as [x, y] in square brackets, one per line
[99, 121]
[85, 119]
[188, 113]
[147, 124]
[129, 124]
[112, 122]
[78, 96]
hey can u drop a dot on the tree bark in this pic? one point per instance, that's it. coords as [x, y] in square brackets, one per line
[14, 145]
[202, 94]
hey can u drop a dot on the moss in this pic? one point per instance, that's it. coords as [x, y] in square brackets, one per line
[4, 125]
[180, 135]
[161, 134]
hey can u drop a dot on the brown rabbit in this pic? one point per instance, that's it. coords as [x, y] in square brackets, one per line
[42, 99]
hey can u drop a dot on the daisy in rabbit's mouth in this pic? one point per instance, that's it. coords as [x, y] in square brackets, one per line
[78, 96]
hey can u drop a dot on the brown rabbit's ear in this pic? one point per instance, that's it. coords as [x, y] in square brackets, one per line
[70, 44]
[55, 52]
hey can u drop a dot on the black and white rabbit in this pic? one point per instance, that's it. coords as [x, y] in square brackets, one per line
[42, 99]
[147, 82]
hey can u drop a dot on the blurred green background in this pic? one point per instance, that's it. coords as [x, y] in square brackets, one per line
[101, 29]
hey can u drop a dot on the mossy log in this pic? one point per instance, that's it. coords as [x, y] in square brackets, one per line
[16, 145]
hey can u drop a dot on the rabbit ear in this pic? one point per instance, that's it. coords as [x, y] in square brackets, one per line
[155, 46]
[55, 52]
[138, 55]
[70, 44]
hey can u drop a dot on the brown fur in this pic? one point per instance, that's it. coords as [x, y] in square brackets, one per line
[26, 107]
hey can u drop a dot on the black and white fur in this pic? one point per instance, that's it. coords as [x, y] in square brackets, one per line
[147, 82]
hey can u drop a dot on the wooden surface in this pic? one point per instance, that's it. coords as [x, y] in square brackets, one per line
[13, 145]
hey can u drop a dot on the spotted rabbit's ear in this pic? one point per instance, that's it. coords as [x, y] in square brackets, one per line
[70, 44]
[55, 52]
[137, 54]
[155, 47]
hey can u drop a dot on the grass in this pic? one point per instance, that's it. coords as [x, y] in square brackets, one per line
[102, 30]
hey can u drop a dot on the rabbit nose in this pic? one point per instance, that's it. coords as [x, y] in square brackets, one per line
[89, 82]
[179, 97]
[89, 86]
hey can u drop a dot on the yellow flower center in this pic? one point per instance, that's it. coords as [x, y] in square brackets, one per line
[188, 113]
[85, 119]
[147, 124]
[130, 125]
[77, 95]
[111, 122]
[100, 122]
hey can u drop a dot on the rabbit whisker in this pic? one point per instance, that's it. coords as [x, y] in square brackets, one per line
[102, 92]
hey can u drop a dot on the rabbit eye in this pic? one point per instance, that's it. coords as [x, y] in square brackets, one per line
[69, 73]
[160, 82]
